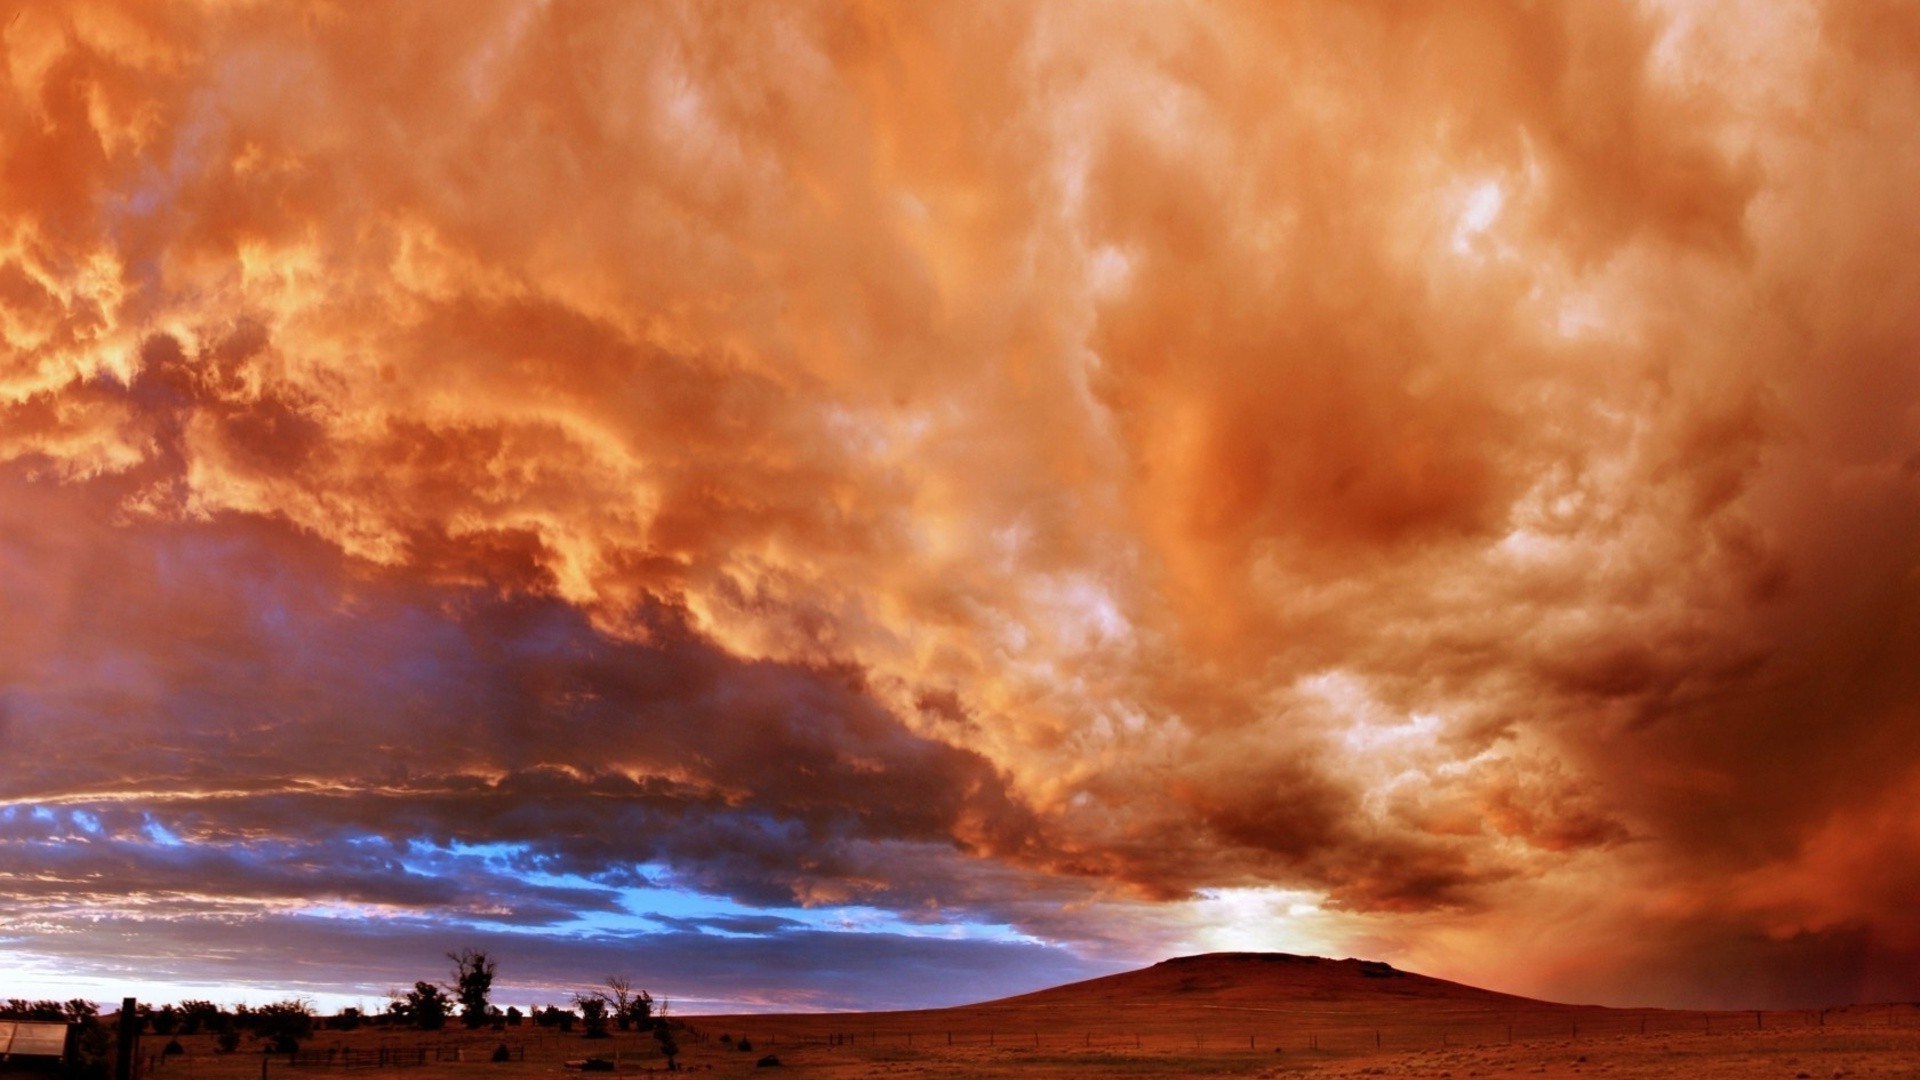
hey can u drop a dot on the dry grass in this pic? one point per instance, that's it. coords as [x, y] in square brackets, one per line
[1212, 1017]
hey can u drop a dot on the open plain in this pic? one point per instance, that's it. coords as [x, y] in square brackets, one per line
[1251, 1015]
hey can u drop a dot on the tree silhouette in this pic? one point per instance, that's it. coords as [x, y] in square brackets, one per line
[593, 1013]
[472, 981]
[663, 1033]
[425, 1006]
[284, 1024]
[631, 1008]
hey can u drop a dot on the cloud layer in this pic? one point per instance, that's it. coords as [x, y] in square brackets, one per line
[1048, 469]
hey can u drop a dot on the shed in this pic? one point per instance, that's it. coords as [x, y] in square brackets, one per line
[32, 1046]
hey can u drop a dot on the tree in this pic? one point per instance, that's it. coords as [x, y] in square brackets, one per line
[663, 1033]
[593, 1013]
[425, 1006]
[197, 1014]
[472, 981]
[283, 1024]
[22, 1009]
[631, 1008]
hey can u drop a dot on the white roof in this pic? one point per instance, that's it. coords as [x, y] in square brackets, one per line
[34, 1037]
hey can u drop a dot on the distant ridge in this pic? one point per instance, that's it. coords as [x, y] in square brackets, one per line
[1261, 978]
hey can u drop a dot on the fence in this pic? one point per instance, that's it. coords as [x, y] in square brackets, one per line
[395, 1057]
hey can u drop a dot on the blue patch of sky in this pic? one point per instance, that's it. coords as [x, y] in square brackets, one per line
[159, 833]
[666, 907]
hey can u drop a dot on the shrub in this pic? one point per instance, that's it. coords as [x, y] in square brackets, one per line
[593, 1014]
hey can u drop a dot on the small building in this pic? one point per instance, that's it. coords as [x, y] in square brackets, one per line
[30, 1047]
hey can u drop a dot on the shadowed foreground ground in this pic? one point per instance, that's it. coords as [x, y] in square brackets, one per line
[1264, 1015]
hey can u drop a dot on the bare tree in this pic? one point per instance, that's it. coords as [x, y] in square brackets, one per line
[631, 1008]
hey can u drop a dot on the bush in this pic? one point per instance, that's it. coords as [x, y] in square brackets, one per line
[173, 1047]
[768, 1062]
[663, 1034]
[501, 1053]
[164, 1020]
[593, 1014]
[227, 1042]
[284, 1024]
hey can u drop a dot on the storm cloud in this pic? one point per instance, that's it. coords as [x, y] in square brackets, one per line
[1061, 476]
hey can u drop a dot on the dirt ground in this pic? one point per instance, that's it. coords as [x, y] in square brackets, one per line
[1034, 1044]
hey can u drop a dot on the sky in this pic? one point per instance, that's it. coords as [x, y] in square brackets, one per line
[857, 505]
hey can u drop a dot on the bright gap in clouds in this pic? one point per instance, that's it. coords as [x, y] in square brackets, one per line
[1263, 919]
[1484, 202]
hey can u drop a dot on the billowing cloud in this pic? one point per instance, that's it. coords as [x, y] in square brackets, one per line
[1438, 476]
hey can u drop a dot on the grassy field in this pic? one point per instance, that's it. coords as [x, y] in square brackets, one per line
[1253, 1016]
[1164, 1041]
[1854, 1045]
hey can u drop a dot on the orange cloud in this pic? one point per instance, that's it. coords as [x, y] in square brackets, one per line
[1434, 459]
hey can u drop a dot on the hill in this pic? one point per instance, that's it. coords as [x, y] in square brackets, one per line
[1274, 1014]
[1239, 978]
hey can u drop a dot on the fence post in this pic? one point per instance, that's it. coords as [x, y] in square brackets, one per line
[129, 1036]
